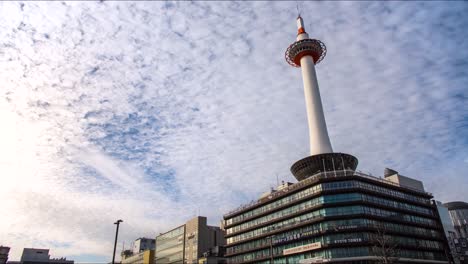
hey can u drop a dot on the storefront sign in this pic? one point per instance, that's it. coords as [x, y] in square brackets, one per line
[303, 248]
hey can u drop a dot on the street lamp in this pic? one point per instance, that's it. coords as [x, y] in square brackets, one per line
[116, 234]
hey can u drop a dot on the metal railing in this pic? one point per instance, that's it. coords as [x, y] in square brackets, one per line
[318, 176]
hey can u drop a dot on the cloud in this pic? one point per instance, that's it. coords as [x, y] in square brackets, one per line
[153, 112]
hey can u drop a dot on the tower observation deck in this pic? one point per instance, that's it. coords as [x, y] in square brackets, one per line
[306, 53]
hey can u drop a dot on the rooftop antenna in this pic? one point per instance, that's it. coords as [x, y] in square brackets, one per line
[298, 9]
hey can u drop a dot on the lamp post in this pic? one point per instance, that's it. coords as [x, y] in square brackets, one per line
[116, 234]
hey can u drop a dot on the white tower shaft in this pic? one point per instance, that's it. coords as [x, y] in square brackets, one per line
[318, 134]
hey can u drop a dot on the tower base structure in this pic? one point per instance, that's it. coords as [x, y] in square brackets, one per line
[306, 167]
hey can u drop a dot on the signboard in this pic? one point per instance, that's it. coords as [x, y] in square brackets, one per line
[313, 260]
[302, 248]
[347, 240]
[286, 238]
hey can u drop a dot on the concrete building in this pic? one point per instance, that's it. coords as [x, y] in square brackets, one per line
[334, 213]
[454, 218]
[4, 251]
[41, 256]
[188, 242]
[214, 255]
[459, 215]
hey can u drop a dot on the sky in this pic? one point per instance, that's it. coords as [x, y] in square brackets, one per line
[155, 112]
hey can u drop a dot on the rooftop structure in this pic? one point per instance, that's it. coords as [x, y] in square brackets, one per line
[142, 244]
[4, 251]
[142, 252]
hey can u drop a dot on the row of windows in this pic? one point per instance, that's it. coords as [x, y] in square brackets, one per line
[171, 234]
[335, 225]
[325, 186]
[329, 253]
[334, 211]
[286, 200]
[371, 187]
[295, 209]
[170, 243]
[326, 199]
[400, 205]
[349, 252]
[344, 238]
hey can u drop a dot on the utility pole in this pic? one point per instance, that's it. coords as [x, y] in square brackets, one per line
[116, 235]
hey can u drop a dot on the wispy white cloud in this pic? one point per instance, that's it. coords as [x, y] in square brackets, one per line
[151, 112]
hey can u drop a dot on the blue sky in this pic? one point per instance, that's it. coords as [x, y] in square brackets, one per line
[155, 111]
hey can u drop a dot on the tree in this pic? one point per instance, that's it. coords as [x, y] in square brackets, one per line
[385, 247]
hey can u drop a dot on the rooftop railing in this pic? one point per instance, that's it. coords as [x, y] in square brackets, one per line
[321, 175]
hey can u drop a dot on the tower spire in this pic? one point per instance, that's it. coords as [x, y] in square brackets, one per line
[306, 53]
[300, 26]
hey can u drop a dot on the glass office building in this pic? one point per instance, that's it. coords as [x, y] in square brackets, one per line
[188, 243]
[339, 216]
[454, 217]
[170, 246]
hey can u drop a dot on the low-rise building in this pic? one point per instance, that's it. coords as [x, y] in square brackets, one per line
[188, 242]
[143, 257]
[142, 252]
[40, 256]
[4, 251]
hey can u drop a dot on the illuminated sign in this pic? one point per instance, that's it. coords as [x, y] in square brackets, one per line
[303, 248]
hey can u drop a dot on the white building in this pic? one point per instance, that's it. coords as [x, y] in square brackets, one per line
[39, 256]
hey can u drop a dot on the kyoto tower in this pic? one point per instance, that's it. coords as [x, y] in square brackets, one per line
[305, 53]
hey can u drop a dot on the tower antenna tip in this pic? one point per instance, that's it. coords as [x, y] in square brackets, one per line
[298, 10]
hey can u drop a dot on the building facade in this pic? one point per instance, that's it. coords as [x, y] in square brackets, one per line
[4, 251]
[459, 215]
[142, 252]
[454, 217]
[40, 256]
[142, 244]
[143, 257]
[337, 216]
[187, 243]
